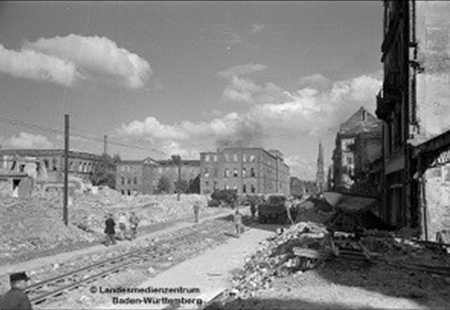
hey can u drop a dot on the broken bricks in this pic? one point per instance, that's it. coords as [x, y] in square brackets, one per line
[302, 247]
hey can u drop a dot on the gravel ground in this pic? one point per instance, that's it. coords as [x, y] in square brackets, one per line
[135, 274]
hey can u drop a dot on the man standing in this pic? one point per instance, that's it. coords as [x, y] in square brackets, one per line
[110, 230]
[16, 298]
[238, 222]
[196, 210]
[134, 222]
[289, 206]
[123, 225]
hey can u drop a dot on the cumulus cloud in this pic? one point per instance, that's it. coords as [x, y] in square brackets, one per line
[153, 129]
[174, 148]
[97, 56]
[67, 60]
[28, 141]
[33, 65]
[302, 115]
[242, 88]
[304, 111]
[317, 81]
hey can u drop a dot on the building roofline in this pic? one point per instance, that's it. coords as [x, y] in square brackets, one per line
[54, 151]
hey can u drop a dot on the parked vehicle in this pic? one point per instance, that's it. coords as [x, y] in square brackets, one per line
[273, 210]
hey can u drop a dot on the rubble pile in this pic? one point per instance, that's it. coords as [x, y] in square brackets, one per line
[91, 209]
[28, 225]
[310, 211]
[400, 246]
[302, 247]
[35, 224]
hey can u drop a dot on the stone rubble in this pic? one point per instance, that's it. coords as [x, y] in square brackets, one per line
[302, 247]
[30, 225]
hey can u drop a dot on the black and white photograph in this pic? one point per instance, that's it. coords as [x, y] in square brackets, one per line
[217, 155]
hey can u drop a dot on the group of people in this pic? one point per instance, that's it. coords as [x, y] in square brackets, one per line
[127, 227]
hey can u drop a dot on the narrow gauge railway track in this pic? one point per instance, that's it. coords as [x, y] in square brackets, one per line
[44, 291]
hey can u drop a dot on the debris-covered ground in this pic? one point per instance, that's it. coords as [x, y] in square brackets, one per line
[305, 268]
[34, 225]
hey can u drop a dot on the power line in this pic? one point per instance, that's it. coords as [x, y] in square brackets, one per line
[74, 134]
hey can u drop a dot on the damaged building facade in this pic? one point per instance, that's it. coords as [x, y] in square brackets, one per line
[135, 177]
[247, 170]
[414, 104]
[358, 145]
[46, 167]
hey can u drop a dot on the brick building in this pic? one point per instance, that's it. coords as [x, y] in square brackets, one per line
[358, 143]
[142, 176]
[48, 165]
[414, 104]
[248, 170]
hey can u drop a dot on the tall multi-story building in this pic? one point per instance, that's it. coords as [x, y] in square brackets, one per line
[414, 104]
[247, 170]
[358, 143]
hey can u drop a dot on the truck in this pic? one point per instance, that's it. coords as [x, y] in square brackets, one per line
[273, 210]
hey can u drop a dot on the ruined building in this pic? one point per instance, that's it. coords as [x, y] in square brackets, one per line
[414, 104]
[247, 170]
[358, 144]
[48, 165]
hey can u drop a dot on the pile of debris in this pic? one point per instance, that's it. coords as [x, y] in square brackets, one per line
[89, 210]
[401, 246]
[29, 225]
[302, 247]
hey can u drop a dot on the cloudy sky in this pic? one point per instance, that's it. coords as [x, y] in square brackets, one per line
[162, 78]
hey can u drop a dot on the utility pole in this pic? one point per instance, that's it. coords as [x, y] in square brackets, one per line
[241, 172]
[66, 170]
[105, 141]
[177, 160]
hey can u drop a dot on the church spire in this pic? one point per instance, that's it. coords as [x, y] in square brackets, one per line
[320, 174]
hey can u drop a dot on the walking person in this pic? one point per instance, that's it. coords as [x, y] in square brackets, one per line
[16, 298]
[237, 222]
[196, 210]
[289, 207]
[110, 230]
[253, 209]
[134, 222]
[123, 225]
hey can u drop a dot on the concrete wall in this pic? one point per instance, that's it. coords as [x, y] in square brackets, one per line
[437, 195]
[433, 55]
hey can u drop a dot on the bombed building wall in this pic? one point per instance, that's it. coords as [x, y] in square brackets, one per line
[433, 58]
[437, 195]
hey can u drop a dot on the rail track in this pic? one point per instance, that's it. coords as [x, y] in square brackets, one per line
[44, 291]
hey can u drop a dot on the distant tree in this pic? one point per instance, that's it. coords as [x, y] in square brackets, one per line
[183, 185]
[163, 184]
[194, 186]
[104, 171]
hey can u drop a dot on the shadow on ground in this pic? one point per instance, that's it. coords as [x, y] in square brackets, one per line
[270, 304]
